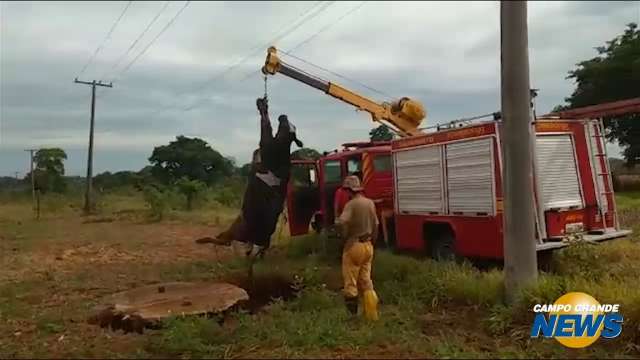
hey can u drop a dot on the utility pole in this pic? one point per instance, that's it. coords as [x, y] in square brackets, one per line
[88, 201]
[33, 178]
[16, 173]
[520, 263]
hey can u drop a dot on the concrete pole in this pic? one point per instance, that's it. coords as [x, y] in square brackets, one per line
[33, 179]
[88, 198]
[520, 263]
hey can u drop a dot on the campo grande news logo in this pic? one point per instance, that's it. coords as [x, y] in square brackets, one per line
[577, 320]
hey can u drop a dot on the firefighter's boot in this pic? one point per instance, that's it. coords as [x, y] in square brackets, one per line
[370, 305]
[352, 305]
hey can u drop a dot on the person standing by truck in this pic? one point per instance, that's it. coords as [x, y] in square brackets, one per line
[341, 197]
[359, 227]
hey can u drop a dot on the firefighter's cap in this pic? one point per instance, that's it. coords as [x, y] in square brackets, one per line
[352, 183]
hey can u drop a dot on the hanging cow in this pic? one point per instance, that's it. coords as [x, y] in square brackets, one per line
[267, 185]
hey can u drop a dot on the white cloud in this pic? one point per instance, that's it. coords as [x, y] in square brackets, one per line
[445, 54]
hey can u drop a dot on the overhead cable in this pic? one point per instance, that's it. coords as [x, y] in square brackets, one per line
[104, 41]
[326, 27]
[261, 47]
[135, 42]
[154, 39]
[231, 66]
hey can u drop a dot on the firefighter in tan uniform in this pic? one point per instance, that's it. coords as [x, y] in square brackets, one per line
[359, 226]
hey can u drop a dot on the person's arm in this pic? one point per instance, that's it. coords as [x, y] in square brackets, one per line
[337, 199]
[375, 222]
[343, 220]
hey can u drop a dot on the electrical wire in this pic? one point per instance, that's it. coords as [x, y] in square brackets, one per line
[309, 39]
[326, 27]
[323, 29]
[154, 40]
[135, 42]
[99, 48]
[282, 31]
[380, 92]
[261, 47]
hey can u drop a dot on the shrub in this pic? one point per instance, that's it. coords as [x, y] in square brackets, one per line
[190, 189]
[578, 259]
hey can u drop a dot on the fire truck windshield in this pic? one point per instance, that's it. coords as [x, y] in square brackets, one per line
[354, 165]
[332, 171]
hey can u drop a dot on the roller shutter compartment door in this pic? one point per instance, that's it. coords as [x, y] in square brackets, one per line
[470, 177]
[419, 180]
[558, 173]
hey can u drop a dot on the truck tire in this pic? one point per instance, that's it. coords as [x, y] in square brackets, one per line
[442, 247]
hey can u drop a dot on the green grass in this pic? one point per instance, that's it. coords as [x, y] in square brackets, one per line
[427, 308]
[409, 288]
[628, 200]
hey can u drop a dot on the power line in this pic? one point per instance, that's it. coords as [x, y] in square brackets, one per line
[307, 15]
[258, 47]
[99, 48]
[325, 28]
[154, 40]
[135, 42]
[380, 92]
[309, 39]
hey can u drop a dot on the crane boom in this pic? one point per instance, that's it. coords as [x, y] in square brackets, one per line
[404, 115]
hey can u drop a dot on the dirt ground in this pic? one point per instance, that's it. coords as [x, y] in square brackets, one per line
[51, 279]
[56, 270]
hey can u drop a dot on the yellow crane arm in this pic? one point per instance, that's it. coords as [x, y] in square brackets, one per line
[405, 115]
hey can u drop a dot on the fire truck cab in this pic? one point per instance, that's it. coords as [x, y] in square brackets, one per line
[311, 192]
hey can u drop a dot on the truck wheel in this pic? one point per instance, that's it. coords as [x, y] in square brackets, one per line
[442, 247]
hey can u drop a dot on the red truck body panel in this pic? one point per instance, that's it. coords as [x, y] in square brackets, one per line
[477, 233]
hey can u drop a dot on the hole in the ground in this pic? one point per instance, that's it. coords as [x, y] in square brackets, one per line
[264, 289]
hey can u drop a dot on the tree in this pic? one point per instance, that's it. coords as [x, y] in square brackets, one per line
[244, 170]
[300, 174]
[49, 170]
[381, 133]
[192, 158]
[108, 180]
[305, 154]
[614, 74]
[190, 189]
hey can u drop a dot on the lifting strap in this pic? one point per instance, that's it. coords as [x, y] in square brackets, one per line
[265, 87]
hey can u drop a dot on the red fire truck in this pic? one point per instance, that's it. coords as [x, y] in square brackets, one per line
[449, 188]
[442, 190]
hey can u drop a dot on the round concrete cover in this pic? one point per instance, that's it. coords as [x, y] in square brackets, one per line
[158, 301]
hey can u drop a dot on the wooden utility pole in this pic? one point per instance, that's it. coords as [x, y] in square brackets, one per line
[88, 197]
[33, 178]
[520, 263]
